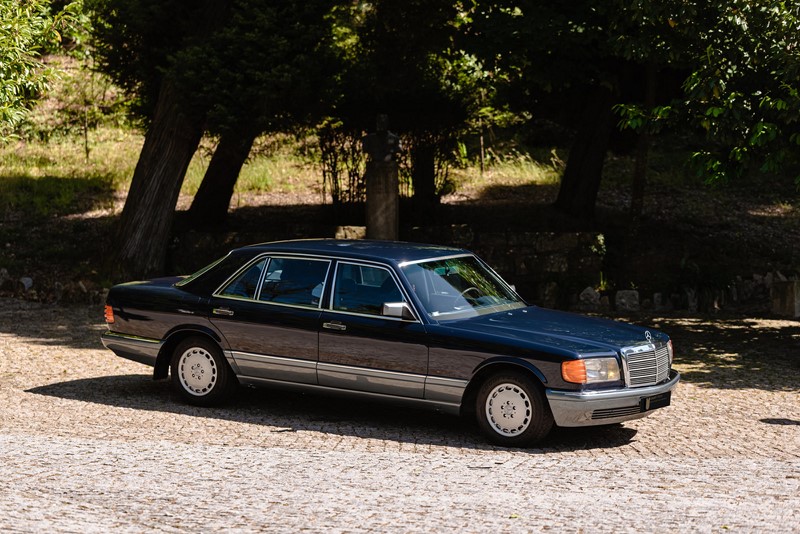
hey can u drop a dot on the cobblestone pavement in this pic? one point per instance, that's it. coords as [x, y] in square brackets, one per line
[89, 443]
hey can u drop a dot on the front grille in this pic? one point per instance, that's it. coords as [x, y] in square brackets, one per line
[608, 413]
[646, 365]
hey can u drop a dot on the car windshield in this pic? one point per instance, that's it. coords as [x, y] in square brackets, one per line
[459, 287]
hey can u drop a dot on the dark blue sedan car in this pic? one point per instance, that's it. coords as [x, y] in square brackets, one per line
[421, 324]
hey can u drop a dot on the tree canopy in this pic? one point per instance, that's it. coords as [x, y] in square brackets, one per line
[738, 62]
[744, 88]
[724, 73]
[27, 29]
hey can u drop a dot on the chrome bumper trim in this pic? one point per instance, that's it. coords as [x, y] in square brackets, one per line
[575, 408]
[139, 349]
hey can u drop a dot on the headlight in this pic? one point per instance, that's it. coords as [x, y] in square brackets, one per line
[590, 370]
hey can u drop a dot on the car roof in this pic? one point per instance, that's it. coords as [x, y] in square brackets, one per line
[396, 252]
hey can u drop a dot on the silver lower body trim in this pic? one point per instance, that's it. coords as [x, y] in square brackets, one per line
[449, 390]
[138, 349]
[371, 380]
[590, 408]
[274, 367]
[443, 407]
[258, 367]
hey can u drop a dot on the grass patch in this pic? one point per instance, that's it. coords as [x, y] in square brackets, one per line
[515, 168]
[49, 179]
[45, 179]
[52, 195]
[274, 166]
[113, 153]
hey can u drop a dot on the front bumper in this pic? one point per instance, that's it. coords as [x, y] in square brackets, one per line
[590, 408]
[134, 348]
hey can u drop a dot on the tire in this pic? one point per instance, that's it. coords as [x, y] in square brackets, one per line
[512, 410]
[200, 374]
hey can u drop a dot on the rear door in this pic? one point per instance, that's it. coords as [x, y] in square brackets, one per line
[269, 314]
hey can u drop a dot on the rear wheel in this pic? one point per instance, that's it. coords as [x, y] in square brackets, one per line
[200, 374]
[512, 410]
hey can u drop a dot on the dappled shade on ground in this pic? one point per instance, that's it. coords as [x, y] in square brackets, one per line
[735, 352]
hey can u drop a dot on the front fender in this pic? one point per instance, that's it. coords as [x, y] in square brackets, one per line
[486, 366]
[489, 366]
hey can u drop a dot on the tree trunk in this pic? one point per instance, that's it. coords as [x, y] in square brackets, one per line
[579, 186]
[146, 220]
[210, 204]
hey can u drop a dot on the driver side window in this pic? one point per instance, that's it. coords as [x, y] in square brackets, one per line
[364, 289]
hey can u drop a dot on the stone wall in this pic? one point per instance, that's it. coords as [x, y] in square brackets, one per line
[553, 269]
[786, 298]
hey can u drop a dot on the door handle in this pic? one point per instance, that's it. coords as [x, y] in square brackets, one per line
[222, 311]
[335, 325]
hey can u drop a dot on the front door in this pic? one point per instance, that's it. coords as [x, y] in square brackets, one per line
[359, 347]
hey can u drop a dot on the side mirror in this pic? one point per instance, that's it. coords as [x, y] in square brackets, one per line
[399, 310]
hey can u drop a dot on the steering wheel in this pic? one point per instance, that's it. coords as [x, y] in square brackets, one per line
[471, 288]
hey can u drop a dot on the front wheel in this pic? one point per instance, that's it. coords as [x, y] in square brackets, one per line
[200, 374]
[512, 410]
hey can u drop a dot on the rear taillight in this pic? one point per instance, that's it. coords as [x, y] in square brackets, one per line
[109, 314]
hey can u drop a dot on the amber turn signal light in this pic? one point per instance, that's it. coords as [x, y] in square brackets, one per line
[574, 371]
[109, 314]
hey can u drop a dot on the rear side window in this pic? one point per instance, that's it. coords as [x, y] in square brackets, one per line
[297, 281]
[246, 284]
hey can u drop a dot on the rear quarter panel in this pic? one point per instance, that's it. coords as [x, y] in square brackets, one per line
[154, 309]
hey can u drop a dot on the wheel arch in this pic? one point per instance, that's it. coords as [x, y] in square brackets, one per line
[492, 367]
[173, 338]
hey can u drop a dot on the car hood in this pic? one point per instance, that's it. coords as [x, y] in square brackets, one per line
[567, 331]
